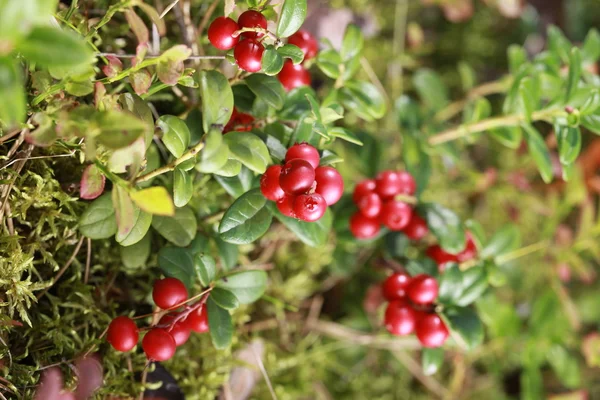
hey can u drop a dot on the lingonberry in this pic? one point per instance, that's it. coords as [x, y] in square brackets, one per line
[388, 184]
[307, 43]
[310, 207]
[431, 330]
[241, 122]
[416, 228]
[363, 227]
[248, 55]
[297, 176]
[293, 76]
[252, 19]
[470, 250]
[407, 185]
[363, 188]
[179, 330]
[169, 292]
[269, 183]
[330, 184]
[220, 33]
[122, 333]
[158, 344]
[286, 206]
[303, 151]
[400, 318]
[441, 257]
[369, 205]
[198, 320]
[395, 215]
[422, 289]
[394, 287]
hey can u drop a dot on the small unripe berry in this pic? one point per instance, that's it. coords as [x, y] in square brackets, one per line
[400, 318]
[158, 344]
[305, 152]
[306, 42]
[330, 184]
[169, 292]
[431, 331]
[297, 176]
[292, 76]
[286, 206]
[423, 289]
[394, 287]
[416, 228]
[363, 227]
[180, 330]
[252, 19]
[395, 215]
[370, 205]
[310, 207]
[198, 320]
[122, 333]
[363, 188]
[269, 183]
[248, 55]
[220, 33]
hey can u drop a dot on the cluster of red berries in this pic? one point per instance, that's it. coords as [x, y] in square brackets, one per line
[239, 121]
[248, 51]
[410, 308]
[291, 75]
[300, 187]
[172, 330]
[375, 199]
[442, 258]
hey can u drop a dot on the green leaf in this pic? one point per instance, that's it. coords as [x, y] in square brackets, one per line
[329, 62]
[267, 88]
[237, 185]
[206, 268]
[119, 129]
[353, 42]
[591, 122]
[247, 286]
[474, 284]
[220, 325]
[574, 72]
[217, 99]
[531, 384]
[539, 152]
[272, 61]
[136, 255]
[314, 234]
[139, 108]
[591, 104]
[517, 56]
[291, 51]
[363, 99]
[98, 220]
[215, 153]
[565, 366]
[331, 113]
[558, 43]
[450, 284]
[247, 148]
[446, 226]
[465, 326]
[246, 220]
[291, 18]
[183, 187]
[417, 161]
[432, 360]
[53, 47]
[569, 143]
[176, 134]
[224, 298]
[12, 94]
[506, 239]
[123, 210]
[528, 96]
[431, 89]
[509, 136]
[179, 229]
[231, 168]
[154, 200]
[345, 134]
[176, 262]
[228, 253]
[141, 225]
[590, 51]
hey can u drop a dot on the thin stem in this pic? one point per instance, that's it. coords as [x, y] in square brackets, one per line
[259, 30]
[171, 166]
[111, 176]
[64, 268]
[169, 7]
[522, 252]
[153, 57]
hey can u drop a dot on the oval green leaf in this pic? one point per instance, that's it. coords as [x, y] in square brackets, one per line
[268, 88]
[177, 263]
[291, 18]
[98, 220]
[217, 99]
[246, 220]
[220, 325]
[179, 229]
[248, 149]
[247, 286]
[224, 298]
[176, 134]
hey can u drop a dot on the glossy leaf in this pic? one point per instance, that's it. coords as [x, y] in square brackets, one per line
[154, 200]
[92, 183]
[231, 168]
[314, 234]
[329, 62]
[179, 229]
[272, 61]
[353, 42]
[141, 224]
[474, 284]
[176, 135]
[363, 99]
[432, 360]
[247, 286]
[98, 220]
[215, 153]
[228, 253]
[175, 262]
[217, 96]
[224, 298]
[450, 284]
[446, 226]
[506, 239]
[247, 148]
[569, 143]
[291, 18]
[246, 220]
[206, 268]
[183, 187]
[237, 185]
[345, 134]
[123, 210]
[136, 255]
[267, 88]
[292, 52]
[574, 72]
[539, 152]
[220, 325]
[466, 327]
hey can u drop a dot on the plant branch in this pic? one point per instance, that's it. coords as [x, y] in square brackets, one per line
[191, 153]
[152, 57]
[522, 252]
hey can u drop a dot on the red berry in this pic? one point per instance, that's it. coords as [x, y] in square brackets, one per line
[310, 207]
[240, 122]
[220, 33]
[122, 333]
[441, 257]
[305, 152]
[395, 215]
[370, 205]
[470, 251]
[416, 228]
[297, 176]
[330, 184]
[293, 76]
[180, 330]
[423, 289]
[365, 187]
[394, 287]
[158, 344]
[363, 227]
[408, 185]
[400, 318]
[307, 43]
[286, 206]
[269, 183]
[198, 320]
[431, 331]
[388, 184]
[248, 55]
[252, 19]
[168, 293]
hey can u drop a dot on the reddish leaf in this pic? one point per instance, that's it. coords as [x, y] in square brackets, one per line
[140, 81]
[169, 71]
[137, 26]
[113, 67]
[92, 183]
[99, 92]
[458, 11]
[591, 349]
[45, 133]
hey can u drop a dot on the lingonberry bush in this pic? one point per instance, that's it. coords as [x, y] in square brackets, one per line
[179, 180]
